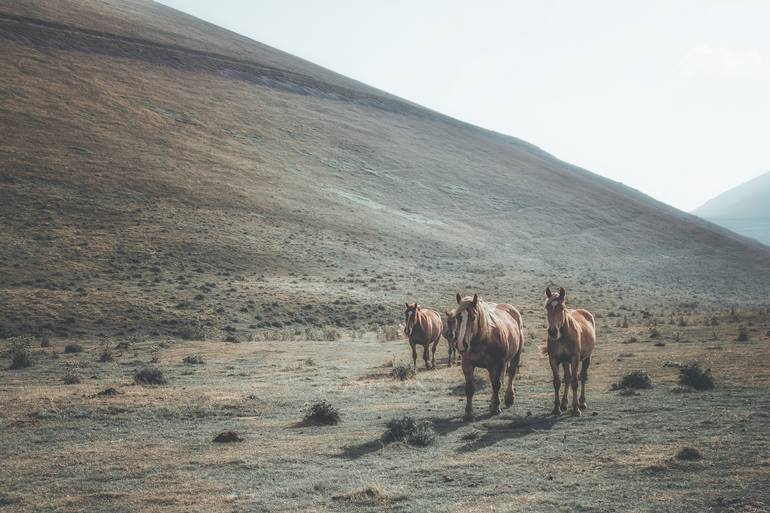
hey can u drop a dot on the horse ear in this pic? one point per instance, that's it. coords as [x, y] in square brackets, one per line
[562, 293]
[448, 313]
[548, 292]
[475, 299]
[459, 298]
[417, 307]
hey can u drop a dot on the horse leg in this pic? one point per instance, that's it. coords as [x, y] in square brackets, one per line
[469, 388]
[574, 384]
[495, 377]
[414, 355]
[512, 368]
[567, 382]
[433, 354]
[583, 379]
[451, 353]
[426, 355]
[556, 385]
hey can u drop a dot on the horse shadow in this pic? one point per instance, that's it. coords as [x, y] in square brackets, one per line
[518, 428]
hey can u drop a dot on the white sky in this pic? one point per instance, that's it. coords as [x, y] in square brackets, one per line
[671, 97]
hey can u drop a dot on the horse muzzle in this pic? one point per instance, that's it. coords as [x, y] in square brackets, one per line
[553, 333]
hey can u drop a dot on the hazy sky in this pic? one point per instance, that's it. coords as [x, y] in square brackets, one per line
[670, 97]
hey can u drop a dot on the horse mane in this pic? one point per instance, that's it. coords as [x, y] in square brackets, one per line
[486, 321]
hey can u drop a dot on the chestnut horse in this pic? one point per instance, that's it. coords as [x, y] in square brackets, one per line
[490, 336]
[571, 340]
[422, 326]
[447, 329]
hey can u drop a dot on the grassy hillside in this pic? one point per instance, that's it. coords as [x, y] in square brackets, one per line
[160, 174]
[743, 209]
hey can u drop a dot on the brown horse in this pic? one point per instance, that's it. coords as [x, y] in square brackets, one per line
[490, 336]
[422, 326]
[571, 340]
[447, 329]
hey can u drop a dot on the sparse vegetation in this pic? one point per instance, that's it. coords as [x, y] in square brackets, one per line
[402, 371]
[693, 376]
[149, 376]
[633, 381]
[391, 332]
[321, 413]
[371, 495]
[743, 334]
[71, 377]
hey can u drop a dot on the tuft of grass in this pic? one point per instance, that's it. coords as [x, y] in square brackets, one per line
[330, 334]
[688, 454]
[654, 333]
[20, 352]
[407, 429]
[743, 334]
[634, 380]
[73, 348]
[402, 371]
[321, 413]
[693, 376]
[45, 339]
[149, 376]
[193, 359]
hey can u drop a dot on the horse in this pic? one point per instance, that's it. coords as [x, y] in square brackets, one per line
[447, 329]
[571, 340]
[490, 336]
[422, 326]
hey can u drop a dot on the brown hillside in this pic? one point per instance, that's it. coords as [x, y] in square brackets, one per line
[157, 171]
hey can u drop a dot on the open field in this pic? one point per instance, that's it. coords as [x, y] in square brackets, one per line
[149, 448]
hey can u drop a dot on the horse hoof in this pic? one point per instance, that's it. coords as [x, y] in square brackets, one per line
[468, 418]
[556, 412]
[563, 406]
[495, 411]
[583, 405]
[508, 402]
[575, 412]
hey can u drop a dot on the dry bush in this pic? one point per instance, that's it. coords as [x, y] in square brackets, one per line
[20, 352]
[634, 380]
[402, 371]
[743, 334]
[73, 348]
[45, 339]
[688, 454]
[226, 437]
[321, 413]
[408, 430]
[193, 330]
[330, 334]
[693, 376]
[149, 376]
[371, 495]
[105, 351]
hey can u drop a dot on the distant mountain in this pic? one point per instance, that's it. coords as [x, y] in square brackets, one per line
[744, 209]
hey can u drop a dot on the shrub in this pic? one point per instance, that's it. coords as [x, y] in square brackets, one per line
[45, 339]
[71, 377]
[688, 454]
[149, 376]
[73, 348]
[402, 371]
[625, 322]
[654, 333]
[20, 352]
[192, 331]
[693, 376]
[634, 380]
[408, 430]
[226, 437]
[743, 334]
[321, 413]
[105, 351]
[193, 359]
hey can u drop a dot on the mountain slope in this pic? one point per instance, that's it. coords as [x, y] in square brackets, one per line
[744, 209]
[159, 172]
